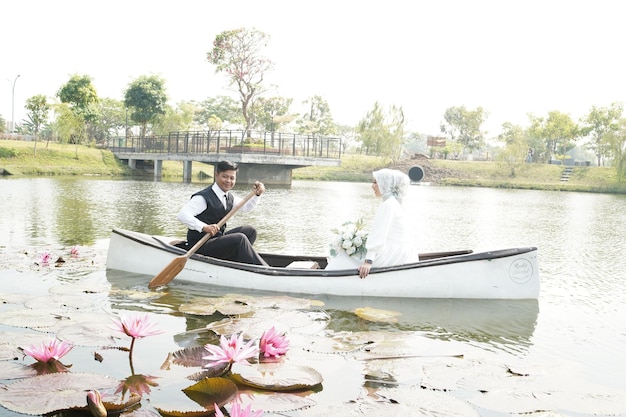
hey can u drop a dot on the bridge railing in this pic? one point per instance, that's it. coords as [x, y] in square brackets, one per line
[232, 141]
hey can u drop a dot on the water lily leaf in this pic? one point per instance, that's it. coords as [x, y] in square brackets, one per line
[72, 302]
[277, 376]
[210, 391]
[208, 306]
[11, 341]
[82, 287]
[34, 319]
[12, 370]
[193, 357]
[377, 315]
[276, 402]
[96, 333]
[54, 392]
[417, 402]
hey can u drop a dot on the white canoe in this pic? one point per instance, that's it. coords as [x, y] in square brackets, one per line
[499, 274]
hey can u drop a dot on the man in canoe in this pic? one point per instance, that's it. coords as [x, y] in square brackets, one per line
[204, 210]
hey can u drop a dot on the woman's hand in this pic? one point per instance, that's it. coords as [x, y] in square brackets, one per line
[364, 269]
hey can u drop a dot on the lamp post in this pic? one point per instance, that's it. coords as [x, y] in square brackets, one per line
[13, 102]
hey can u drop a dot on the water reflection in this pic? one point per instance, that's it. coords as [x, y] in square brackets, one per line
[492, 324]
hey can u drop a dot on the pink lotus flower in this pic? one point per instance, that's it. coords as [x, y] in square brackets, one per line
[45, 258]
[137, 327]
[230, 351]
[273, 344]
[94, 402]
[237, 411]
[54, 349]
[74, 252]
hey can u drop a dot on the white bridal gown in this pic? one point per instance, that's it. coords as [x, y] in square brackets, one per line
[387, 242]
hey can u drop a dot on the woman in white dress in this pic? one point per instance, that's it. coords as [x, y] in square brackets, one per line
[387, 241]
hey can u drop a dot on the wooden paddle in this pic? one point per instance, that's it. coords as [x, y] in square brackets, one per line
[170, 271]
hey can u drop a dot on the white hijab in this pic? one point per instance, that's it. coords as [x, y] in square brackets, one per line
[392, 183]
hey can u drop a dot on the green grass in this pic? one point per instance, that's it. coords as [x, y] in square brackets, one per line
[19, 159]
[353, 168]
[531, 176]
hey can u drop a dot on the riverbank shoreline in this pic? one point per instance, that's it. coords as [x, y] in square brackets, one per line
[30, 159]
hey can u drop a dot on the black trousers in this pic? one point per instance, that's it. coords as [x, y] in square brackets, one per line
[234, 245]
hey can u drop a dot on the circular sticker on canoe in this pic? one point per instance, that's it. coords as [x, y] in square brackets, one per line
[520, 271]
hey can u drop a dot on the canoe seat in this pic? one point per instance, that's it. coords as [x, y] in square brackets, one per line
[303, 265]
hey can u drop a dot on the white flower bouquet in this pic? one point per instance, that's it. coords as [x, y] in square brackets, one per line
[351, 239]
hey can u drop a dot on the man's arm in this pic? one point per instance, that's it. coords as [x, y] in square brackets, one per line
[187, 215]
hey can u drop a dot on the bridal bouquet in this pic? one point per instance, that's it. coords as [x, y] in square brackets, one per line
[351, 238]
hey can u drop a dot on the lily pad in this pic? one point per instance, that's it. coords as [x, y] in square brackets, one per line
[211, 391]
[277, 376]
[12, 370]
[10, 342]
[208, 306]
[89, 333]
[26, 317]
[377, 315]
[52, 392]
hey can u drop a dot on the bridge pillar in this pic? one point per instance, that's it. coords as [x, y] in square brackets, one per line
[187, 171]
[267, 174]
[158, 169]
[132, 163]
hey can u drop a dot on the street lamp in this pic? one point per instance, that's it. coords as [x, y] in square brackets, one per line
[13, 102]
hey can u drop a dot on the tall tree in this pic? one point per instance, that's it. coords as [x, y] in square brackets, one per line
[237, 53]
[515, 150]
[225, 108]
[465, 126]
[174, 119]
[272, 113]
[37, 112]
[599, 124]
[616, 139]
[318, 120]
[382, 131]
[111, 120]
[80, 95]
[558, 131]
[146, 99]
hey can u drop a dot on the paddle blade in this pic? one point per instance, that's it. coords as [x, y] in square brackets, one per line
[169, 272]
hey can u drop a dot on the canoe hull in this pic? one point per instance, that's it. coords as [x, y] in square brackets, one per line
[502, 274]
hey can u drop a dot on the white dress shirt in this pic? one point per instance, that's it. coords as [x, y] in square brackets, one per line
[197, 204]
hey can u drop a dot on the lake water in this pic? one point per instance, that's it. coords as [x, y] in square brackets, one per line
[563, 352]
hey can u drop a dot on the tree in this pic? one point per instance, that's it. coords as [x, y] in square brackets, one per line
[3, 124]
[464, 126]
[382, 131]
[37, 112]
[515, 149]
[174, 119]
[558, 132]
[616, 140]
[225, 108]
[318, 120]
[599, 124]
[237, 53]
[272, 113]
[80, 95]
[110, 121]
[146, 99]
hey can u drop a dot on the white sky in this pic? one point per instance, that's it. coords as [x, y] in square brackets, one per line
[510, 57]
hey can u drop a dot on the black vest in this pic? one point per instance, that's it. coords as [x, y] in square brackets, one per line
[214, 212]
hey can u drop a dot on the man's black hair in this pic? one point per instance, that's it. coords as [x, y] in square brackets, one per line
[226, 166]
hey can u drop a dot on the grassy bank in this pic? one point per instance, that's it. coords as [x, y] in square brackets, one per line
[18, 158]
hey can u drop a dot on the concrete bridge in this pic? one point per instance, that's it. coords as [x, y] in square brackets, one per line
[269, 157]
